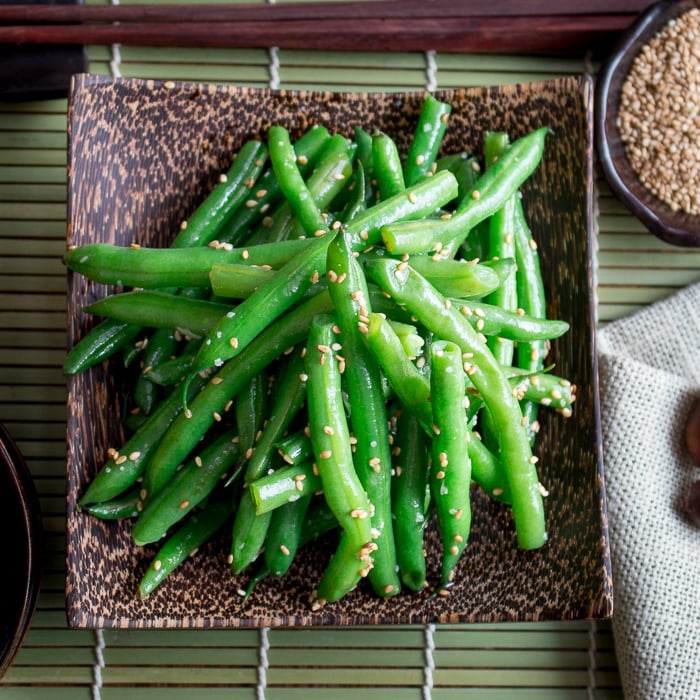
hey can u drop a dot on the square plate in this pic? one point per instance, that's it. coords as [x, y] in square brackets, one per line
[142, 154]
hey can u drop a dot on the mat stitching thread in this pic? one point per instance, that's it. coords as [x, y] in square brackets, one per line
[116, 56]
[430, 71]
[273, 68]
[97, 668]
[263, 662]
[429, 636]
[274, 64]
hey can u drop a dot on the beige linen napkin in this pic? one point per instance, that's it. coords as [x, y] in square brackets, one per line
[649, 378]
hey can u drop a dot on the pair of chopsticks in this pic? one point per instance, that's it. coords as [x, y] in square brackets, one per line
[452, 26]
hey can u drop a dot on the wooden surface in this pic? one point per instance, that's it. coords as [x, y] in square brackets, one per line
[517, 661]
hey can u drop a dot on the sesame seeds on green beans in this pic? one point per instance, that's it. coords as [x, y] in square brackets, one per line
[312, 352]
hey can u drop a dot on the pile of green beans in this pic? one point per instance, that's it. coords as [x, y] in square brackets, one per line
[342, 340]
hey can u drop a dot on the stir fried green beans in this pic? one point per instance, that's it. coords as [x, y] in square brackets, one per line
[329, 351]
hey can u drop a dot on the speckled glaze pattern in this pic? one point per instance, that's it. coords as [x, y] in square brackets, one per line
[142, 154]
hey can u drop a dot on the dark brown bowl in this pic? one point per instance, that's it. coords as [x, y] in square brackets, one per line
[674, 227]
[20, 520]
[138, 167]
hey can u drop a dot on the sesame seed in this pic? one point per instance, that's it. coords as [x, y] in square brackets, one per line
[184, 505]
[233, 342]
[134, 456]
[476, 194]
[412, 197]
[284, 550]
[198, 461]
[328, 430]
[359, 513]
[157, 564]
[325, 454]
[216, 416]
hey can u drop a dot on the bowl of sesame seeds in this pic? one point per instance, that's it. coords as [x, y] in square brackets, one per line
[647, 116]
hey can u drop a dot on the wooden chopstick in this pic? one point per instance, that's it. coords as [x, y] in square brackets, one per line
[352, 10]
[386, 25]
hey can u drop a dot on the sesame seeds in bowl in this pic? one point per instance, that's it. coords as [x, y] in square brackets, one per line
[647, 115]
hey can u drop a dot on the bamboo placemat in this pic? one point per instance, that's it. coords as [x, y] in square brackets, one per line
[522, 661]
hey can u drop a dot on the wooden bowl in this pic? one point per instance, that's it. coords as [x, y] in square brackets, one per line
[20, 519]
[142, 155]
[674, 227]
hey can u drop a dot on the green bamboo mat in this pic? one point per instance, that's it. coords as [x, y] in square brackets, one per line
[515, 661]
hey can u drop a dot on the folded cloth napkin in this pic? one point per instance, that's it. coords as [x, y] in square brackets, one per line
[649, 366]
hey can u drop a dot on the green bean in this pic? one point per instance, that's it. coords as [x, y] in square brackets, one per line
[459, 279]
[123, 506]
[327, 180]
[363, 140]
[210, 217]
[284, 534]
[162, 268]
[543, 388]
[357, 195]
[174, 370]
[187, 489]
[414, 203]
[237, 280]
[530, 355]
[501, 245]
[161, 347]
[250, 408]
[427, 138]
[198, 529]
[283, 485]
[492, 320]
[387, 166]
[145, 307]
[288, 399]
[368, 418]
[410, 289]
[240, 281]
[248, 533]
[307, 149]
[98, 344]
[292, 182]
[295, 448]
[408, 499]
[330, 437]
[491, 191]
[450, 475]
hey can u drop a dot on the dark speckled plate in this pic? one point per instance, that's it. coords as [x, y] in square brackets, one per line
[142, 155]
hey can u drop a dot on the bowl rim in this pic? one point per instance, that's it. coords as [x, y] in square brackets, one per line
[24, 491]
[676, 228]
